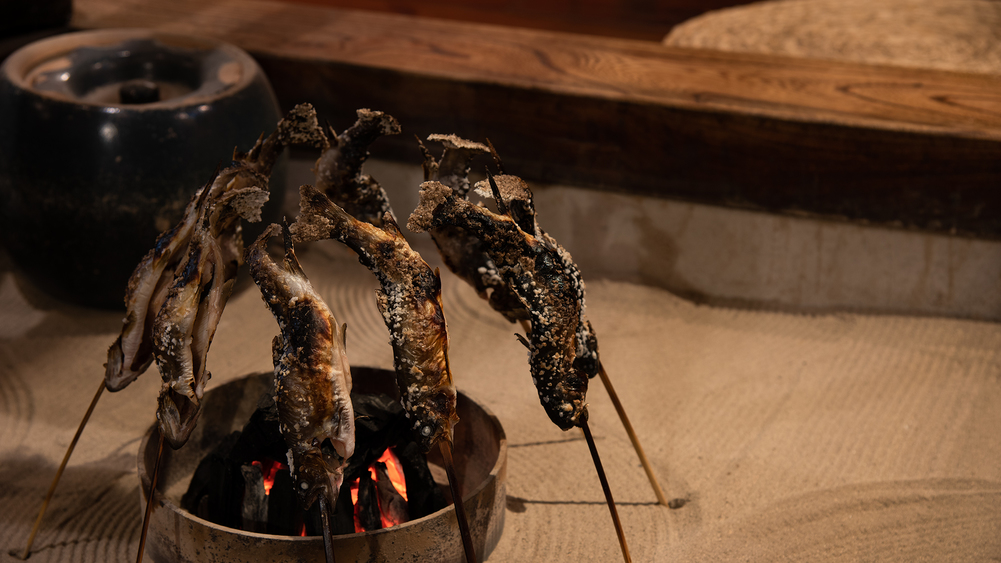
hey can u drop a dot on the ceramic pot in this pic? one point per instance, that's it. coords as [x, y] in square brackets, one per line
[104, 136]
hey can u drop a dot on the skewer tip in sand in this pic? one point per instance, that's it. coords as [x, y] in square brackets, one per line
[604, 487]
[59, 472]
[632, 437]
[328, 542]
[149, 500]
[460, 510]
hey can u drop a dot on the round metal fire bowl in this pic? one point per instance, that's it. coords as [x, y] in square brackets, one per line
[176, 535]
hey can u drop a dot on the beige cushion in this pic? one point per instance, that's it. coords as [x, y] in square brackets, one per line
[962, 35]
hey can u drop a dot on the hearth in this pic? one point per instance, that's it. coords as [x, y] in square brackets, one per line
[178, 535]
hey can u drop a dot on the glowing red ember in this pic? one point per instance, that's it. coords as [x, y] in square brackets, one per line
[268, 469]
[396, 478]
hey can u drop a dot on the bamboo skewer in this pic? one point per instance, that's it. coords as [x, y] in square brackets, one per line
[632, 436]
[651, 476]
[149, 500]
[460, 510]
[59, 472]
[328, 542]
[606, 489]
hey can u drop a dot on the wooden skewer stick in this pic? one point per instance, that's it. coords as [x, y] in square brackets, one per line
[526, 326]
[328, 542]
[149, 500]
[632, 436]
[59, 472]
[606, 489]
[460, 510]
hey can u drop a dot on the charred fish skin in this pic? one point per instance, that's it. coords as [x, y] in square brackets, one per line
[461, 250]
[409, 298]
[178, 292]
[515, 195]
[132, 352]
[540, 274]
[452, 169]
[338, 170]
[312, 374]
[185, 326]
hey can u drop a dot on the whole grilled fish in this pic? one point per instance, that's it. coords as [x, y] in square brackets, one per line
[410, 301]
[176, 294]
[312, 374]
[541, 275]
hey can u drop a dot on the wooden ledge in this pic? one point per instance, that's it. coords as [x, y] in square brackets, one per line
[892, 146]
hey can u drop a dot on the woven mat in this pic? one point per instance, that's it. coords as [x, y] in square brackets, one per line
[788, 437]
[960, 35]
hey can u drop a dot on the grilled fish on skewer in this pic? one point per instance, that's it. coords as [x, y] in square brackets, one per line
[514, 196]
[183, 329]
[463, 252]
[542, 275]
[546, 282]
[338, 170]
[241, 188]
[460, 249]
[312, 375]
[132, 353]
[185, 325]
[410, 301]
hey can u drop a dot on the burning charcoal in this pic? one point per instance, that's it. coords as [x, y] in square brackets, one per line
[228, 490]
[344, 513]
[423, 495]
[283, 507]
[367, 509]
[379, 425]
[391, 503]
[255, 501]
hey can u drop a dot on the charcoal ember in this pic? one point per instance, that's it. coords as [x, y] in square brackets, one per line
[367, 509]
[216, 489]
[391, 502]
[227, 490]
[283, 506]
[423, 495]
[343, 521]
[379, 424]
[254, 513]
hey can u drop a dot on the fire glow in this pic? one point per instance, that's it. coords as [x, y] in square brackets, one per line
[269, 468]
[395, 472]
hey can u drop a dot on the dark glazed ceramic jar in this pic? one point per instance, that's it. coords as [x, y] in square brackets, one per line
[104, 136]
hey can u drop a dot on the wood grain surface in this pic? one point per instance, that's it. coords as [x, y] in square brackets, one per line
[895, 146]
[781, 437]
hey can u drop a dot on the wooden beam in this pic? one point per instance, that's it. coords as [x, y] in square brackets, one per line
[893, 146]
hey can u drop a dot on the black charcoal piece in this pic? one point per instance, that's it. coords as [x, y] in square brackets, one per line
[391, 502]
[283, 506]
[254, 516]
[216, 489]
[423, 495]
[368, 504]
